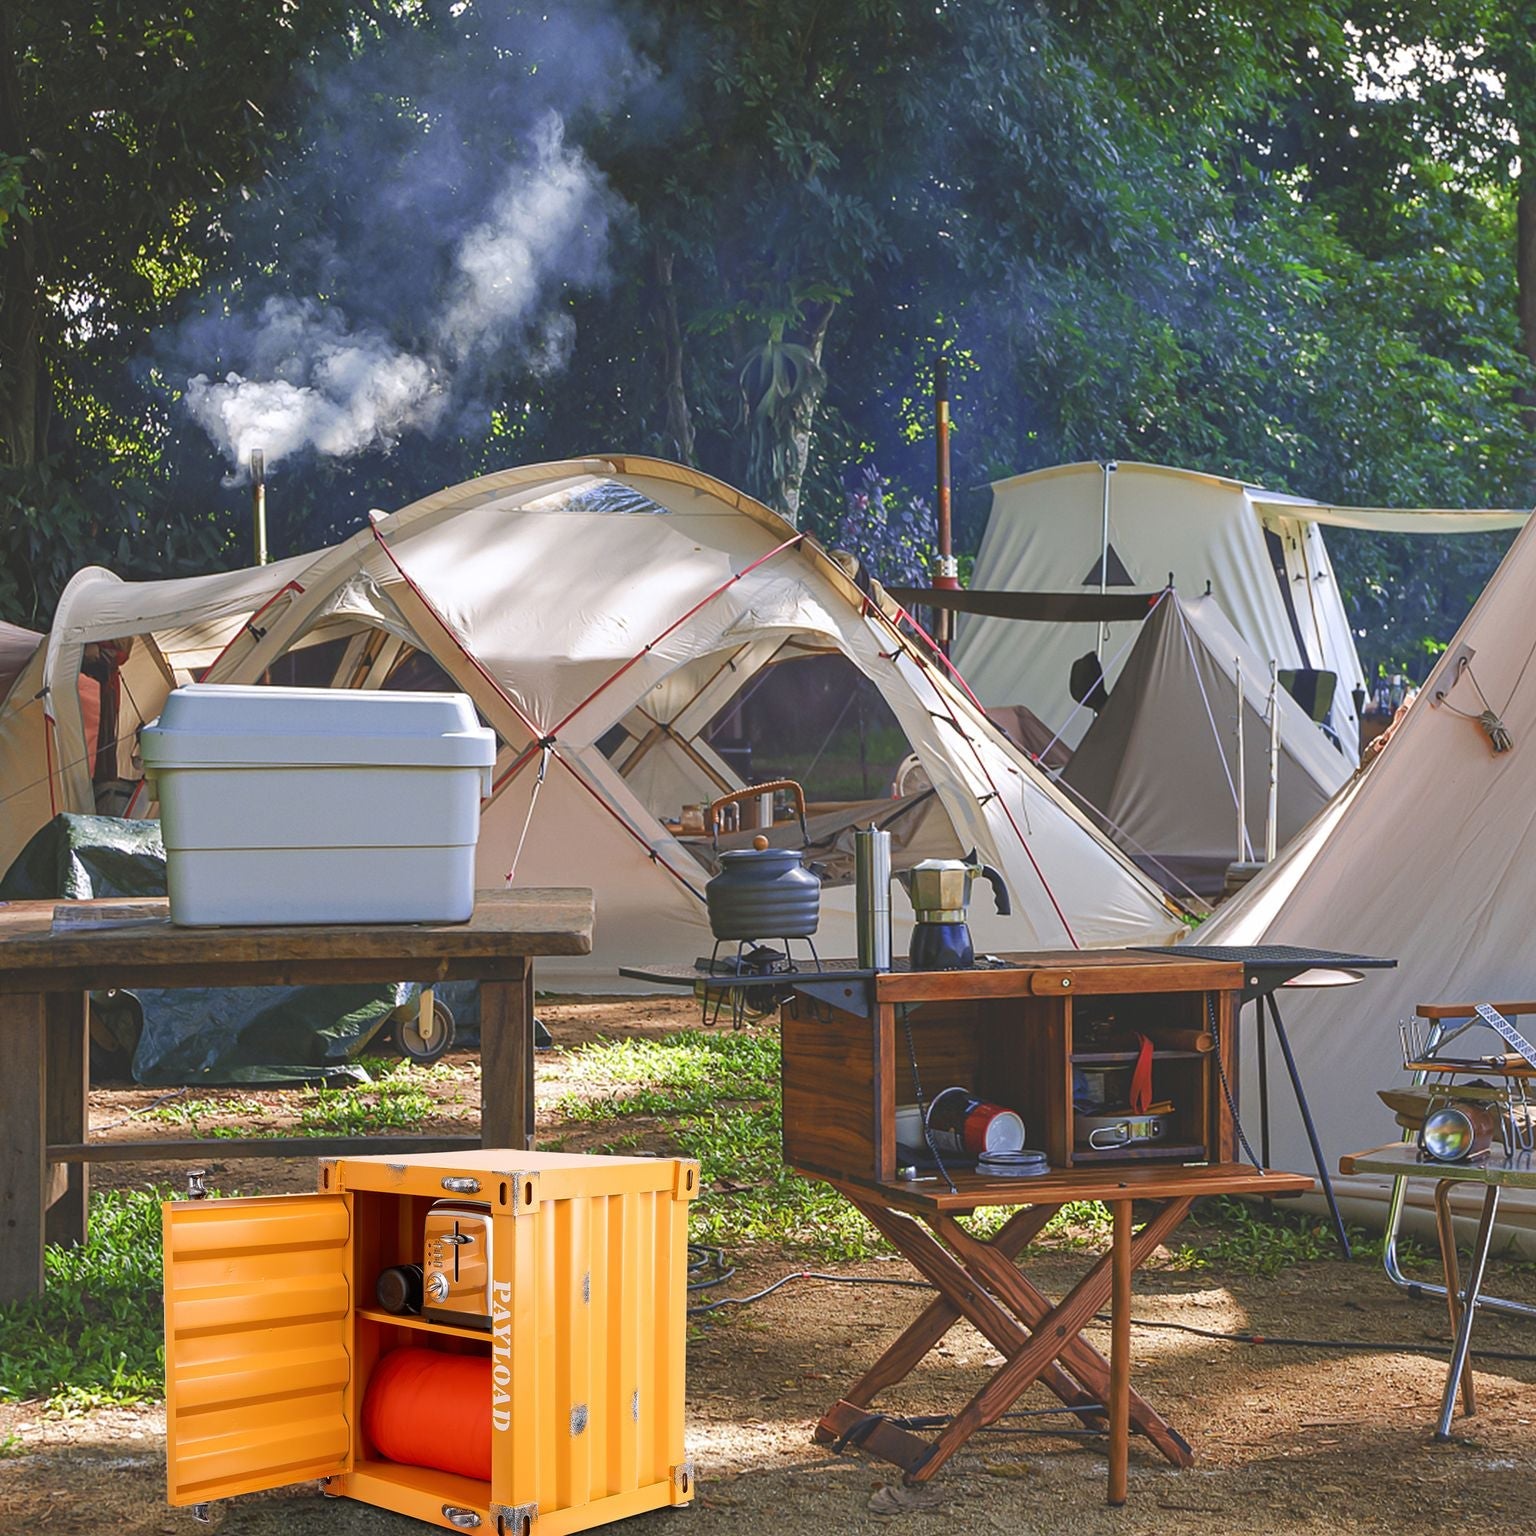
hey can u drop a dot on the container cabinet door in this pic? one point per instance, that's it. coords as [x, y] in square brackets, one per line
[257, 1328]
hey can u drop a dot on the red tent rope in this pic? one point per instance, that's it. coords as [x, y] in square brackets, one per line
[511, 704]
[291, 586]
[997, 794]
[645, 650]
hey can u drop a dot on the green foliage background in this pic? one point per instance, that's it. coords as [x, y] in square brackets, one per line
[1270, 240]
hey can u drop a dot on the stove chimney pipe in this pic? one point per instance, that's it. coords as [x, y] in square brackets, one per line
[947, 575]
[259, 505]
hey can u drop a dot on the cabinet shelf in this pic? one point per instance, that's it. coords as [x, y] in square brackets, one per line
[1166, 1150]
[405, 1320]
[1129, 1058]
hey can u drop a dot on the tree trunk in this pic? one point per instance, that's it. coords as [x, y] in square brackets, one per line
[1525, 265]
[799, 420]
[677, 432]
[20, 289]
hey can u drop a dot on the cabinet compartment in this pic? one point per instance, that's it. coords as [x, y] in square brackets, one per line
[845, 1073]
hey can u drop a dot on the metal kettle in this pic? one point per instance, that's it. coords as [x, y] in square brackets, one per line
[763, 892]
[940, 892]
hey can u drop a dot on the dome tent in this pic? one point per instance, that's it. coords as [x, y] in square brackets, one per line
[591, 608]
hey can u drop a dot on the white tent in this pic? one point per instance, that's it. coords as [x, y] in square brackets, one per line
[601, 613]
[1261, 552]
[1159, 764]
[1427, 856]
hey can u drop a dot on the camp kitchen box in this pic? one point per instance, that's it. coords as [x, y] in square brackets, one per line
[272, 1332]
[318, 805]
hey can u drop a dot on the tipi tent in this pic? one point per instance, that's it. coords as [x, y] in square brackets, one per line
[1427, 856]
[601, 613]
[1159, 764]
[1261, 552]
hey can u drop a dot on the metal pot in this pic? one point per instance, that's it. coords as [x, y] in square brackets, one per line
[763, 892]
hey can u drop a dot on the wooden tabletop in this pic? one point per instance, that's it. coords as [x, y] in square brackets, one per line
[1401, 1159]
[51, 946]
[1141, 1181]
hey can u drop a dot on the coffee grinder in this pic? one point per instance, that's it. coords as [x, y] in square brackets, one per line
[940, 890]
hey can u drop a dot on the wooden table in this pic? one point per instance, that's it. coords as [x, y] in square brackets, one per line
[856, 1046]
[48, 966]
[1401, 1160]
[981, 1281]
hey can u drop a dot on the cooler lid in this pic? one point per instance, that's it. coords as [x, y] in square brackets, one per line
[230, 725]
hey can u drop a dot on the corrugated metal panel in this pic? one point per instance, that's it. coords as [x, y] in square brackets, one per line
[588, 1340]
[257, 1321]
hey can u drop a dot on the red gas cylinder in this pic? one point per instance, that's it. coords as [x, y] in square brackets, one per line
[430, 1409]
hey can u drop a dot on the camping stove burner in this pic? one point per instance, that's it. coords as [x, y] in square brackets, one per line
[759, 960]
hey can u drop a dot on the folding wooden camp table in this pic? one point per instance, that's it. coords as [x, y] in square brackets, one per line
[1496, 1172]
[979, 1280]
[52, 954]
[858, 1044]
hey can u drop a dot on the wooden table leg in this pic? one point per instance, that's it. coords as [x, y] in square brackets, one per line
[506, 1061]
[1085, 1363]
[67, 1080]
[23, 1145]
[1120, 1354]
[1045, 1344]
[1446, 1229]
[941, 1314]
[850, 1419]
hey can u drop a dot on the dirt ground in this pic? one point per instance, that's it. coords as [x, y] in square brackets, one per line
[1286, 1439]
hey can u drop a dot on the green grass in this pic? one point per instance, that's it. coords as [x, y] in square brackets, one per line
[94, 1335]
[192, 1112]
[396, 1101]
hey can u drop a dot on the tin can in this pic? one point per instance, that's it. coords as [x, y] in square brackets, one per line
[963, 1126]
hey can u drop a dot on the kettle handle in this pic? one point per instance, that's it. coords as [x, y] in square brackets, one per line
[751, 792]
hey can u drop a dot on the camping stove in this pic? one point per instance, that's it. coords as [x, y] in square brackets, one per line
[757, 962]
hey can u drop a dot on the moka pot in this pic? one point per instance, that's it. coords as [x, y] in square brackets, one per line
[940, 891]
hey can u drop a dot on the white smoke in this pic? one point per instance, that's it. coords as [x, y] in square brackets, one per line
[313, 381]
[548, 223]
[321, 386]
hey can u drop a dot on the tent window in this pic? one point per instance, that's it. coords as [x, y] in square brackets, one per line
[1115, 575]
[817, 720]
[612, 739]
[607, 496]
[309, 666]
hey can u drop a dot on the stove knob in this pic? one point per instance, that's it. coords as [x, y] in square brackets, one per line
[437, 1287]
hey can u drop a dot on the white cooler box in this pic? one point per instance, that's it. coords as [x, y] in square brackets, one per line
[318, 805]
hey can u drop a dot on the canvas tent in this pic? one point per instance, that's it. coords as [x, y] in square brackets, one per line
[1427, 856]
[1159, 764]
[601, 613]
[1261, 552]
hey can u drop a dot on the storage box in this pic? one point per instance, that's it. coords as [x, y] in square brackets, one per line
[271, 1333]
[318, 805]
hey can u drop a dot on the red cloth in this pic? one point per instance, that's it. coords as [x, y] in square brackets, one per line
[430, 1409]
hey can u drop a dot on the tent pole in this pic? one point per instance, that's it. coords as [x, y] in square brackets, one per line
[1242, 776]
[1272, 817]
[1109, 468]
[947, 572]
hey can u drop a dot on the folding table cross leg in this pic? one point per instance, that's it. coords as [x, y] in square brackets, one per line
[978, 1280]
